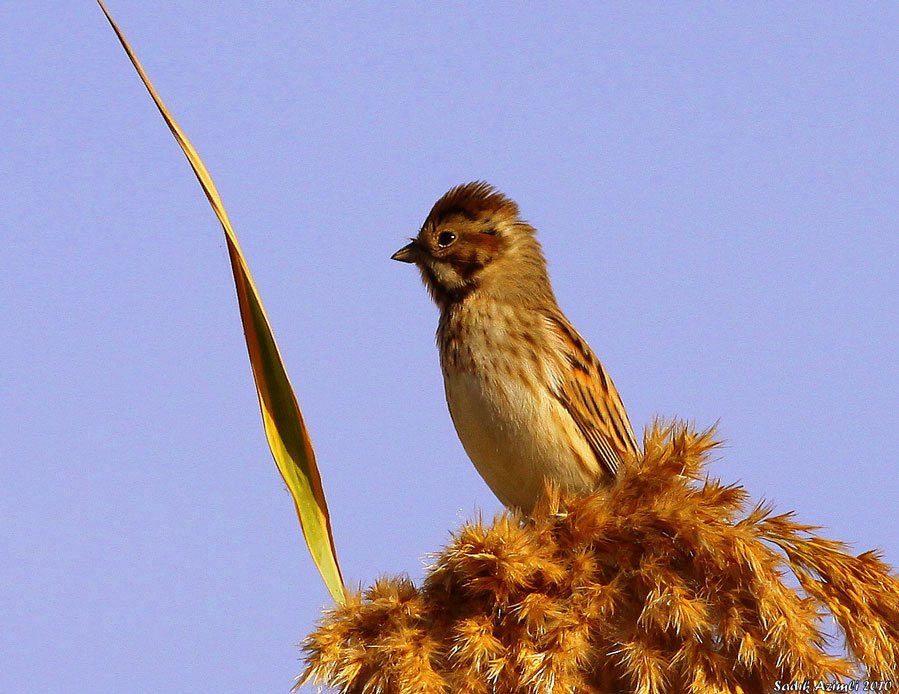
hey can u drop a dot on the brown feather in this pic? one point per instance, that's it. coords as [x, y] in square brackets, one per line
[473, 201]
[591, 399]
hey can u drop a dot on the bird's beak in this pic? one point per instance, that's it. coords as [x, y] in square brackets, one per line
[406, 254]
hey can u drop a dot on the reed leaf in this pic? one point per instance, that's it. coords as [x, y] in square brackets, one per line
[284, 427]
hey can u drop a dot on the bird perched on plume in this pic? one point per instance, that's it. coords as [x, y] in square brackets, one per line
[529, 399]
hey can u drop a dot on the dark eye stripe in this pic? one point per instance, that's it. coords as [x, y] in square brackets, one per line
[490, 232]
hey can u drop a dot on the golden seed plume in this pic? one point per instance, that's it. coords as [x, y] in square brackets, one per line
[665, 582]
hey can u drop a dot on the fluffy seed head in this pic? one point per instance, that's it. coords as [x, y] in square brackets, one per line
[667, 581]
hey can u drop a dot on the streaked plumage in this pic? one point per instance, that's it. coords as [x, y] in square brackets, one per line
[528, 397]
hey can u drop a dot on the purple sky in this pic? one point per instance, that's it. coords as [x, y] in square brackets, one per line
[715, 188]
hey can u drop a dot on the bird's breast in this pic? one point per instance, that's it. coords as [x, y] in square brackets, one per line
[498, 387]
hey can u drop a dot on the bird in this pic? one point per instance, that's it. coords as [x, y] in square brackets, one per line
[531, 403]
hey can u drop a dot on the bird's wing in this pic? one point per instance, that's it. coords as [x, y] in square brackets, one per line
[588, 394]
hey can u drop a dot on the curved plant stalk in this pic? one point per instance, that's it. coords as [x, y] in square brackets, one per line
[284, 426]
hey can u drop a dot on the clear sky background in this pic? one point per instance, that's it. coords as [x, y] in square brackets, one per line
[715, 187]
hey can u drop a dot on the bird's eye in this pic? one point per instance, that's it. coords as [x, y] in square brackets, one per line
[445, 239]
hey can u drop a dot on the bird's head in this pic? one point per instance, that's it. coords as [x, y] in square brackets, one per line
[474, 238]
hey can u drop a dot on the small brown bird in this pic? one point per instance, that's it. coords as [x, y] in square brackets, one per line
[529, 399]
